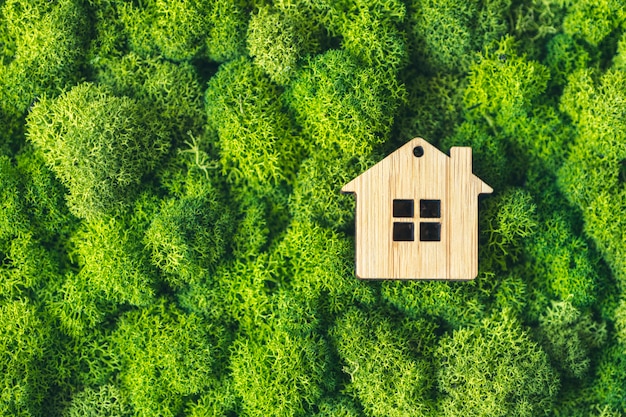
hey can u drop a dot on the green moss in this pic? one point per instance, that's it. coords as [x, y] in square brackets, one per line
[167, 358]
[173, 240]
[563, 265]
[565, 55]
[494, 369]
[389, 364]
[174, 29]
[98, 145]
[342, 106]
[377, 25]
[593, 20]
[594, 108]
[114, 265]
[104, 401]
[569, 337]
[433, 109]
[46, 41]
[226, 39]
[320, 264]
[189, 236]
[170, 90]
[256, 142]
[450, 303]
[489, 153]
[609, 383]
[509, 219]
[502, 85]
[23, 343]
[278, 40]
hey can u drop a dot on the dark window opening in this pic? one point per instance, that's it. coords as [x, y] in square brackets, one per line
[430, 209]
[403, 232]
[430, 232]
[418, 151]
[403, 208]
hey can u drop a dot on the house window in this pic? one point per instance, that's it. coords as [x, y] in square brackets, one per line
[429, 231]
[402, 208]
[403, 232]
[430, 209]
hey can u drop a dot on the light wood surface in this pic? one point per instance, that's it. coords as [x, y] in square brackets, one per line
[431, 176]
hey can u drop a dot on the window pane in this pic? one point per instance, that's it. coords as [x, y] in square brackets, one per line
[403, 232]
[430, 232]
[430, 209]
[402, 208]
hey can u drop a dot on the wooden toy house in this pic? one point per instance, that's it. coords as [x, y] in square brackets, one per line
[417, 215]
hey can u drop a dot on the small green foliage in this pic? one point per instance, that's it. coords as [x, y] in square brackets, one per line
[77, 308]
[278, 40]
[26, 266]
[341, 407]
[314, 196]
[569, 337]
[13, 217]
[387, 362]
[433, 108]
[167, 357]
[619, 60]
[98, 145]
[343, 107]
[104, 401]
[502, 85]
[447, 34]
[620, 322]
[595, 109]
[489, 158]
[226, 39]
[281, 367]
[189, 236]
[610, 384]
[444, 33]
[171, 90]
[23, 343]
[377, 25]
[173, 28]
[32, 200]
[273, 44]
[594, 20]
[114, 264]
[173, 241]
[252, 232]
[44, 197]
[45, 42]
[219, 400]
[509, 218]
[538, 19]
[494, 369]
[321, 266]
[562, 263]
[565, 55]
[453, 303]
[256, 143]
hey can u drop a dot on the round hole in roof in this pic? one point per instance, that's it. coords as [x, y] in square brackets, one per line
[418, 151]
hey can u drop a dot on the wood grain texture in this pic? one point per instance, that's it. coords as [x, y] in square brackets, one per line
[431, 176]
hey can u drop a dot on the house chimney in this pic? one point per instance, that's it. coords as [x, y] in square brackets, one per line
[462, 158]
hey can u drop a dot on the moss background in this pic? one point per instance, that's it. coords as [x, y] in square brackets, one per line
[173, 241]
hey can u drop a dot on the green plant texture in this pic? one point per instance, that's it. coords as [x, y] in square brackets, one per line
[173, 241]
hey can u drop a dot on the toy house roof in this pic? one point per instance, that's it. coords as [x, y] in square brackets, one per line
[429, 154]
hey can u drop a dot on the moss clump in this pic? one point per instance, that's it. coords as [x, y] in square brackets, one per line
[495, 369]
[99, 145]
